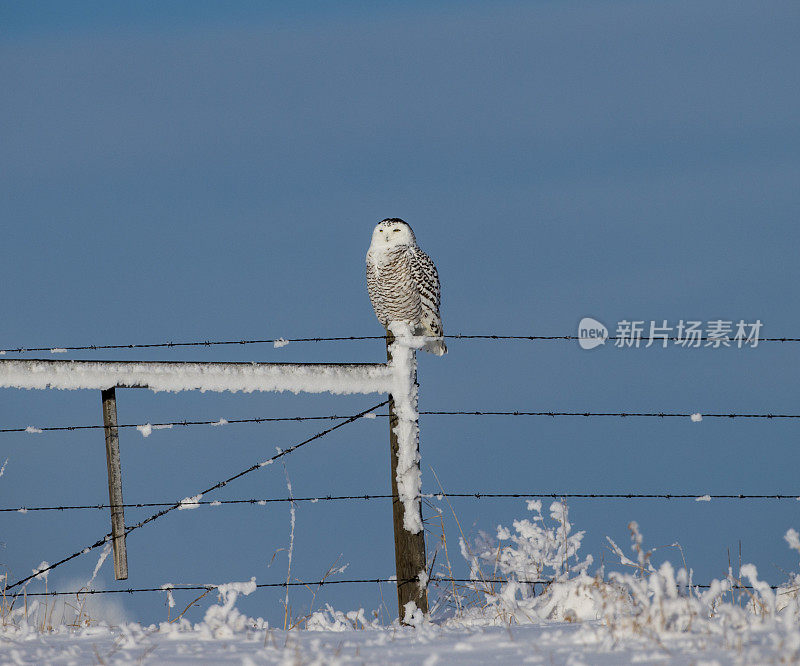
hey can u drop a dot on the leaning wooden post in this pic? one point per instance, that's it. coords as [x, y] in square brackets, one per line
[409, 548]
[115, 484]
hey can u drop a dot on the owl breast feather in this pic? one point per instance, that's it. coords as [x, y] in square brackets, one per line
[392, 288]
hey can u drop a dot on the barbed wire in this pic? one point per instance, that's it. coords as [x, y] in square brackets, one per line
[216, 486]
[199, 343]
[660, 415]
[184, 423]
[334, 417]
[324, 582]
[437, 496]
[282, 341]
[318, 583]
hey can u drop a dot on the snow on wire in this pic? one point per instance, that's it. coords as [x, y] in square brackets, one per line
[281, 342]
[324, 582]
[256, 501]
[336, 417]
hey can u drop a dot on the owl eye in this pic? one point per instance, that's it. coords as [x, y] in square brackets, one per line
[395, 230]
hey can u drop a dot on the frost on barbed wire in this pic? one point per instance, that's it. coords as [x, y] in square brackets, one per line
[405, 395]
[147, 428]
[190, 502]
[168, 587]
[174, 377]
[42, 571]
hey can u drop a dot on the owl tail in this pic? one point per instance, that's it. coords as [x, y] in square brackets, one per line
[436, 346]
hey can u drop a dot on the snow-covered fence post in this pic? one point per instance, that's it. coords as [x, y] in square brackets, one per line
[409, 536]
[109, 397]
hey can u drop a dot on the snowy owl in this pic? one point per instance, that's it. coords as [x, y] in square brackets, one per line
[403, 283]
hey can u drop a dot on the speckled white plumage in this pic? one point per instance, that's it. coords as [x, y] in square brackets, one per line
[403, 283]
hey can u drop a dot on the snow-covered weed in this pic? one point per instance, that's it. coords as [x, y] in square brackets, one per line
[8, 617]
[530, 573]
[330, 619]
[656, 602]
[54, 614]
[224, 620]
[532, 552]
[652, 601]
[24, 615]
[642, 601]
[789, 592]
[536, 554]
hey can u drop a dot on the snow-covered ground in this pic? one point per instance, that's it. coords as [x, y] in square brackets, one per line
[547, 644]
[641, 614]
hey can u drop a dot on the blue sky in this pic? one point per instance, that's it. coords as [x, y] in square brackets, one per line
[180, 171]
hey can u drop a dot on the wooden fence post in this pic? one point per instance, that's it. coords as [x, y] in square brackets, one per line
[409, 549]
[109, 397]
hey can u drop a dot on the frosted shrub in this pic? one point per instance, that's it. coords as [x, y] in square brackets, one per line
[534, 551]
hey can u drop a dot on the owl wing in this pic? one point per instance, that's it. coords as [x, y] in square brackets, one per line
[426, 277]
[374, 292]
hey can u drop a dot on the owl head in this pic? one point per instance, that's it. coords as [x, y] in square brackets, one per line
[393, 231]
